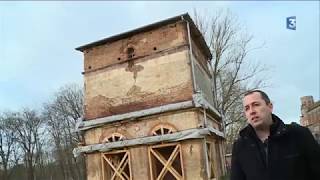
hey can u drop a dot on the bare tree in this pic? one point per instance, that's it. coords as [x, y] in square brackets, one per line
[26, 126]
[56, 126]
[61, 115]
[7, 145]
[233, 73]
[40, 147]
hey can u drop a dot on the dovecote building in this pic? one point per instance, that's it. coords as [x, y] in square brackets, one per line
[148, 110]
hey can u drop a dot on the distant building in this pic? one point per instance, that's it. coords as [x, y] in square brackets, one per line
[310, 115]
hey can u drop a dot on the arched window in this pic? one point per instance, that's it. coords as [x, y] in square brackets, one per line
[163, 129]
[130, 52]
[114, 137]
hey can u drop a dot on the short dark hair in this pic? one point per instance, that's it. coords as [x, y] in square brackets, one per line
[263, 95]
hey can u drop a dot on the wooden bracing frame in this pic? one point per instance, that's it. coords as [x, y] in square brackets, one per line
[175, 155]
[118, 163]
[210, 152]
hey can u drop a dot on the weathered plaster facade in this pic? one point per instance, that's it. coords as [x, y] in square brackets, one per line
[146, 83]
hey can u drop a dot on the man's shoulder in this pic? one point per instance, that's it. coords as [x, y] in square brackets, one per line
[298, 130]
[295, 127]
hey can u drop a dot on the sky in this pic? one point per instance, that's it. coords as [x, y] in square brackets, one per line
[38, 41]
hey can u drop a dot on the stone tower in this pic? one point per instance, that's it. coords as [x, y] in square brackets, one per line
[310, 115]
[148, 105]
[306, 103]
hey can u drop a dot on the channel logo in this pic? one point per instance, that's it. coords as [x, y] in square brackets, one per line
[291, 23]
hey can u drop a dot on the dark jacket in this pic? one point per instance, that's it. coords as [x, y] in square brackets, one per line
[290, 153]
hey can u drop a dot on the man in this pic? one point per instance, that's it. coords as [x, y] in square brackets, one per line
[267, 149]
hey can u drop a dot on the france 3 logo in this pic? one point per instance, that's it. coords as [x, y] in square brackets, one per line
[291, 23]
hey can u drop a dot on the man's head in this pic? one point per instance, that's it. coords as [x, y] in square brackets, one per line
[257, 109]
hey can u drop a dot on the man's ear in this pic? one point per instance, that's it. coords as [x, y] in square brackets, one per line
[270, 106]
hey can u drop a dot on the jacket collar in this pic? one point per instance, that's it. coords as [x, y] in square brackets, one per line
[277, 129]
